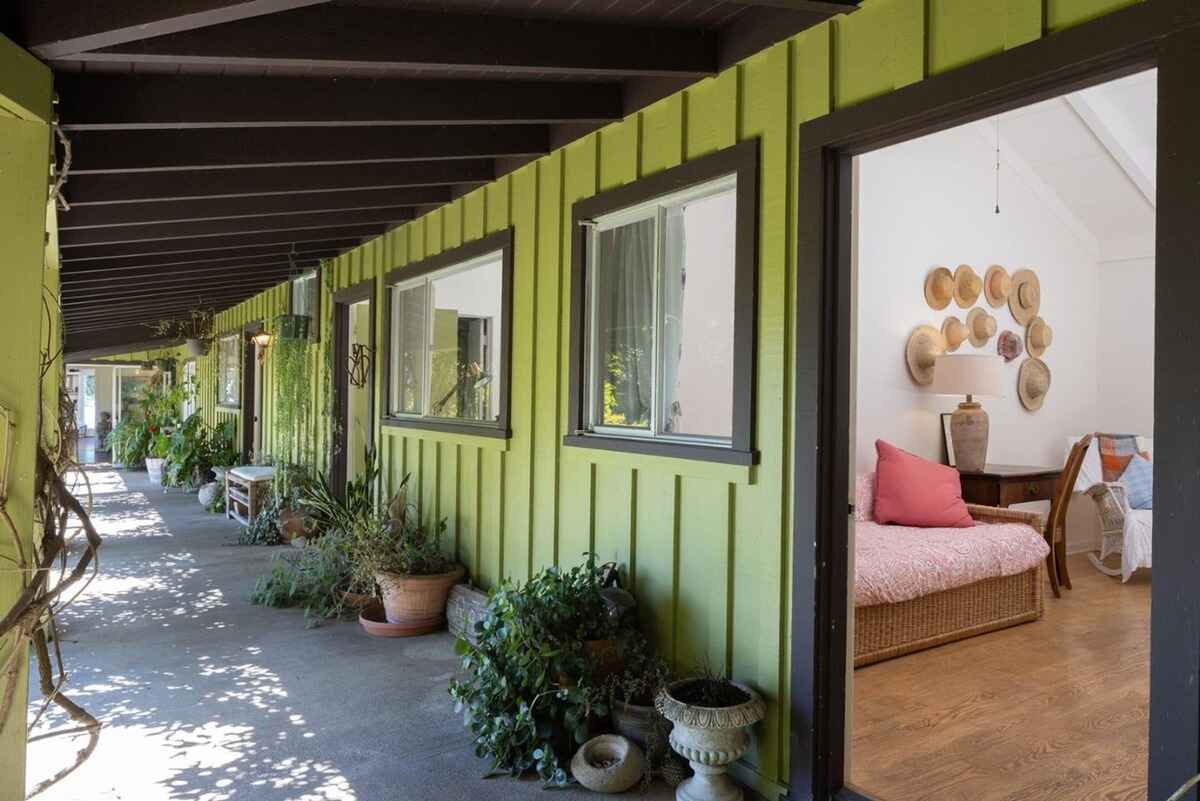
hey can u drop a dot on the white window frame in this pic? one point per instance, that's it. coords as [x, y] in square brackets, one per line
[237, 365]
[492, 257]
[656, 209]
[189, 380]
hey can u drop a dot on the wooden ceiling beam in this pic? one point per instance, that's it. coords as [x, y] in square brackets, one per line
[194, 184]
[151, 310]
[277, 272]
[350, 37]
[268, 206]
[81, 280]
[826, 7]
[271, 252]
[223, 148]
[58, 28]
[99, 102]
[79, 300]
[225, 244]
[191, 229]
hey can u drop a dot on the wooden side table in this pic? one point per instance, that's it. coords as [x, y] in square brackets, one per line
[245, 490]
[1005, 484]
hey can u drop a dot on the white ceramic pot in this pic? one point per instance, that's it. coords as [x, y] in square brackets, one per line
[207, 493]
[155, 468]
[711, 739]
[197, 347]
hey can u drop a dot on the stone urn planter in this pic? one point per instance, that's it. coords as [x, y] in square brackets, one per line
[711, 738]
[608, 764]
[417, 602]
[154, 467]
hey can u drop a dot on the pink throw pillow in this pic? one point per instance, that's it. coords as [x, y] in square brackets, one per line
[911, 491]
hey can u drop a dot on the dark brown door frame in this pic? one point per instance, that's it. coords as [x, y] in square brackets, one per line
[1161, 33]
[343, 299]
[248, 412]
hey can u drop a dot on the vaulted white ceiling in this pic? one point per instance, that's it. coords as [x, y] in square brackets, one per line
[1093, 153]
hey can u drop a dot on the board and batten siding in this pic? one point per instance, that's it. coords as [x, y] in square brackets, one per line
[704, 546]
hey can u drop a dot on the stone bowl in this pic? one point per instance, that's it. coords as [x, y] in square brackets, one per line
[608, 764]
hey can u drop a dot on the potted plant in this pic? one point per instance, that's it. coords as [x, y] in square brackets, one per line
[292, 327]
[295, 522]
[196, 330]
[633, 689]
[160, 446]
[406, 560]
[711, 714]
[529, 692]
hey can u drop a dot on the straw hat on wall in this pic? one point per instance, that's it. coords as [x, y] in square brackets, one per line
[981, 327]
[1033, 383]
[996, 286]
[925, 344]
[1025, 297]
[1039, 337]
[1009, 345]
[955, 333]
[939, 288]
[967, 286]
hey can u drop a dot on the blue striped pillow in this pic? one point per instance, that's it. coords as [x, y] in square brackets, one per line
[1138, 479]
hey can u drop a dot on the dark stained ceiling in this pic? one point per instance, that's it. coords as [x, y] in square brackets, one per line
[219, 146]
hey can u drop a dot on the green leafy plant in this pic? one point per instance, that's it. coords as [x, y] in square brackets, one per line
[394, 540]
[264, 528]
[222, 452]
[129, 441]
[315, 579]
[292, 379]
[642, 675]
[530, 696]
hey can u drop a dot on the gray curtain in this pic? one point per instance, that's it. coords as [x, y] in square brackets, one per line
[625, 312]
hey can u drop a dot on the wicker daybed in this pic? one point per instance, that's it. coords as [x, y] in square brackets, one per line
[884, 631]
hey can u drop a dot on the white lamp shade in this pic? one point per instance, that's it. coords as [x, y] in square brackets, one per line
[980, 376]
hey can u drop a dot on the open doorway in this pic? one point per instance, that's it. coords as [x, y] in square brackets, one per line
[1003, 350]
[254, 344]
[354, 379]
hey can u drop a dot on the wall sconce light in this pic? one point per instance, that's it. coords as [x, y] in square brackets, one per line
[262, 339]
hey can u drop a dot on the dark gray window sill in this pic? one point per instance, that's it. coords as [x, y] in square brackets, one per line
[674, 450]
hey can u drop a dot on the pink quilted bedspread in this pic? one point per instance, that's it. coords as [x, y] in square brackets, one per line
[897, 563]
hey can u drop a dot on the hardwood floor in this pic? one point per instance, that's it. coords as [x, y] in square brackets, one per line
[1055, 709]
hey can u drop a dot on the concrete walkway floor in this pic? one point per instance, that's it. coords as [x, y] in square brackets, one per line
[206, 697]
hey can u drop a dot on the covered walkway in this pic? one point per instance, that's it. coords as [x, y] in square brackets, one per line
[206, 697]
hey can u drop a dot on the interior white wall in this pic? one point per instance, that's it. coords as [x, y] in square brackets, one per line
[1126, 347]
[931, 202]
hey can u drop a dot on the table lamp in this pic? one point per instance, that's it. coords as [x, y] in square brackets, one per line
[973, 376]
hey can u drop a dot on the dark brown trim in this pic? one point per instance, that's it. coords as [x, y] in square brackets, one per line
[503, 242]
[741, 159]
[1118, 44]
[249, 413]
[342, 300]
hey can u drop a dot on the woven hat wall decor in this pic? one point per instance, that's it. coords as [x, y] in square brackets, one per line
[925, 344]
[996, 286]
[955, 333]
[981, 327]
[967, 286]
[939, 288]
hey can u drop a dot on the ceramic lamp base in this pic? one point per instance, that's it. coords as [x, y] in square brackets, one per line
[969, 429]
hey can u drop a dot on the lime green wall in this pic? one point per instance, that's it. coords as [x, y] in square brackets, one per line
[24, 174]
[705, 546]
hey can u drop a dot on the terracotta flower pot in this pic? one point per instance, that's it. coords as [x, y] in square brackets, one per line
[417, 602]
[293, 524]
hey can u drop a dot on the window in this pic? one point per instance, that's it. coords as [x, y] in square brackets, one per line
[306, 299]
[662, 335]
[229, 371]
[448, 339]
[189, 381]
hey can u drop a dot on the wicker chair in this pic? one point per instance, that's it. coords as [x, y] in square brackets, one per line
[1112, 504]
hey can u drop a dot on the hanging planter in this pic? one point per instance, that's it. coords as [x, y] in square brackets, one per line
[198, 347]
[166, 365]
[292, 326]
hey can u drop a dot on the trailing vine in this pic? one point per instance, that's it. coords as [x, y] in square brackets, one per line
[54, 572]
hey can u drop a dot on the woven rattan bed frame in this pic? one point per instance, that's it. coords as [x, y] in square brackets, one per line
[885, 631]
